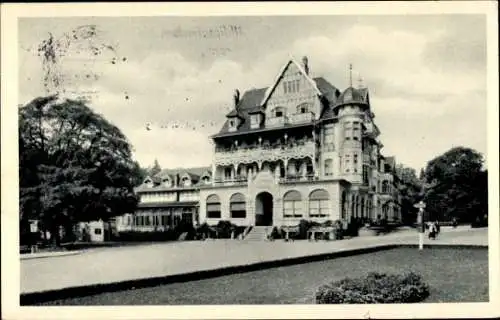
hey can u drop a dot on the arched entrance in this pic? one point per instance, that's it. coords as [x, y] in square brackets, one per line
[264, 209]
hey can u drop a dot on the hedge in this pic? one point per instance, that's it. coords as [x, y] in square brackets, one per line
[374, 288]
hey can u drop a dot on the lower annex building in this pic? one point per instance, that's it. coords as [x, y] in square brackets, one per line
[298, 149]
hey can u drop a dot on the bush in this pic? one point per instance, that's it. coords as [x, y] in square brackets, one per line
[225, 228]
[353, 227]
[204, 231]
[338, 231]
[375, 288]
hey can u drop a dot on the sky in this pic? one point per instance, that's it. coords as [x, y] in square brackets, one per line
[426, 75]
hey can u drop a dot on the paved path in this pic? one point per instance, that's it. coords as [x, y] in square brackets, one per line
[107, 265]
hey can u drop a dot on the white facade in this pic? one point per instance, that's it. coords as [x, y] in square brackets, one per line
[305, 138]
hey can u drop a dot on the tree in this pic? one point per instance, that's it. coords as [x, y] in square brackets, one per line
[74, 165]
[155, 169]
[456, 186]
[410, 192]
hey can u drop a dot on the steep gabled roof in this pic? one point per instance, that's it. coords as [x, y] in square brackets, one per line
[270, 90]
[251, 99]
[196, 171]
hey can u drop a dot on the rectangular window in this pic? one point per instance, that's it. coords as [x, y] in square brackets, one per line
[347, 131]
[328, 167]
[365, 174]
[347, 163]
[97, 231]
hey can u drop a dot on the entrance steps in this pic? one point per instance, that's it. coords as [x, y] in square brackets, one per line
[258, 233]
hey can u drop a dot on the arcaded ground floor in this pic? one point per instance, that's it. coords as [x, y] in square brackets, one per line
[266, 201]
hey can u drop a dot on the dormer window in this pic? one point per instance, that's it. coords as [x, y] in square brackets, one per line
[233, 124]
[148, 182]
[166, 182]
[186, 182]
[255, 121]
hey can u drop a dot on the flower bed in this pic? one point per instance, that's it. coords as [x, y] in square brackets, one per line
[375, 288]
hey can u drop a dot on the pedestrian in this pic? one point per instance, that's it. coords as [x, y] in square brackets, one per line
[438, 227]
[432, 231]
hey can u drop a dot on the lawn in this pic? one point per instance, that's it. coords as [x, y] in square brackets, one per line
[454, 275]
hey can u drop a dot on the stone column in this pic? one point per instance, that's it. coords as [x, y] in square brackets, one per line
[214, 173]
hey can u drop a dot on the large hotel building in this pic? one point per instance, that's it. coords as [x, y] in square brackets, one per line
[298, 149]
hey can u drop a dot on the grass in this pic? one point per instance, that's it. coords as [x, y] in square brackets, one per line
[454, 275]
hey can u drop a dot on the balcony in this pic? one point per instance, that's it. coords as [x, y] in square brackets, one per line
[301, 118]
[260, 154]
[296, 118]
[298, 178]
[276, 122]
[237, 181]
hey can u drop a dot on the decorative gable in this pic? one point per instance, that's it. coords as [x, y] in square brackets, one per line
[292, 91]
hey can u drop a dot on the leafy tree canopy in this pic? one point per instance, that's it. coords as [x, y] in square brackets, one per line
[155, 169]
[74, 164]
[456, 185]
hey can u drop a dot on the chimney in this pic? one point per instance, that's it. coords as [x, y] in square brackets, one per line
[236, 98]
[305, 64]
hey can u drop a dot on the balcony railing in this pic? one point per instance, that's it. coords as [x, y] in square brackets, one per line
[231, 182]
[298, 178]
[244, 155]
[296, 118]
[276, 122]
[301, 117]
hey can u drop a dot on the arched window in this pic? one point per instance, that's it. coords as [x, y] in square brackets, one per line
[318, 204]
[344, 205]
[292, 204]
[237, 206]
[353, 206]
[362, 208]
[213, 207]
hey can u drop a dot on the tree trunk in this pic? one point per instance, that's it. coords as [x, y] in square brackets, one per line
[55, 235]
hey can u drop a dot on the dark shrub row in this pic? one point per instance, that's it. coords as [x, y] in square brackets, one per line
[304, 226]
[375, 288]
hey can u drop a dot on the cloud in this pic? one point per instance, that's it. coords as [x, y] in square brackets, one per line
[410, 95]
